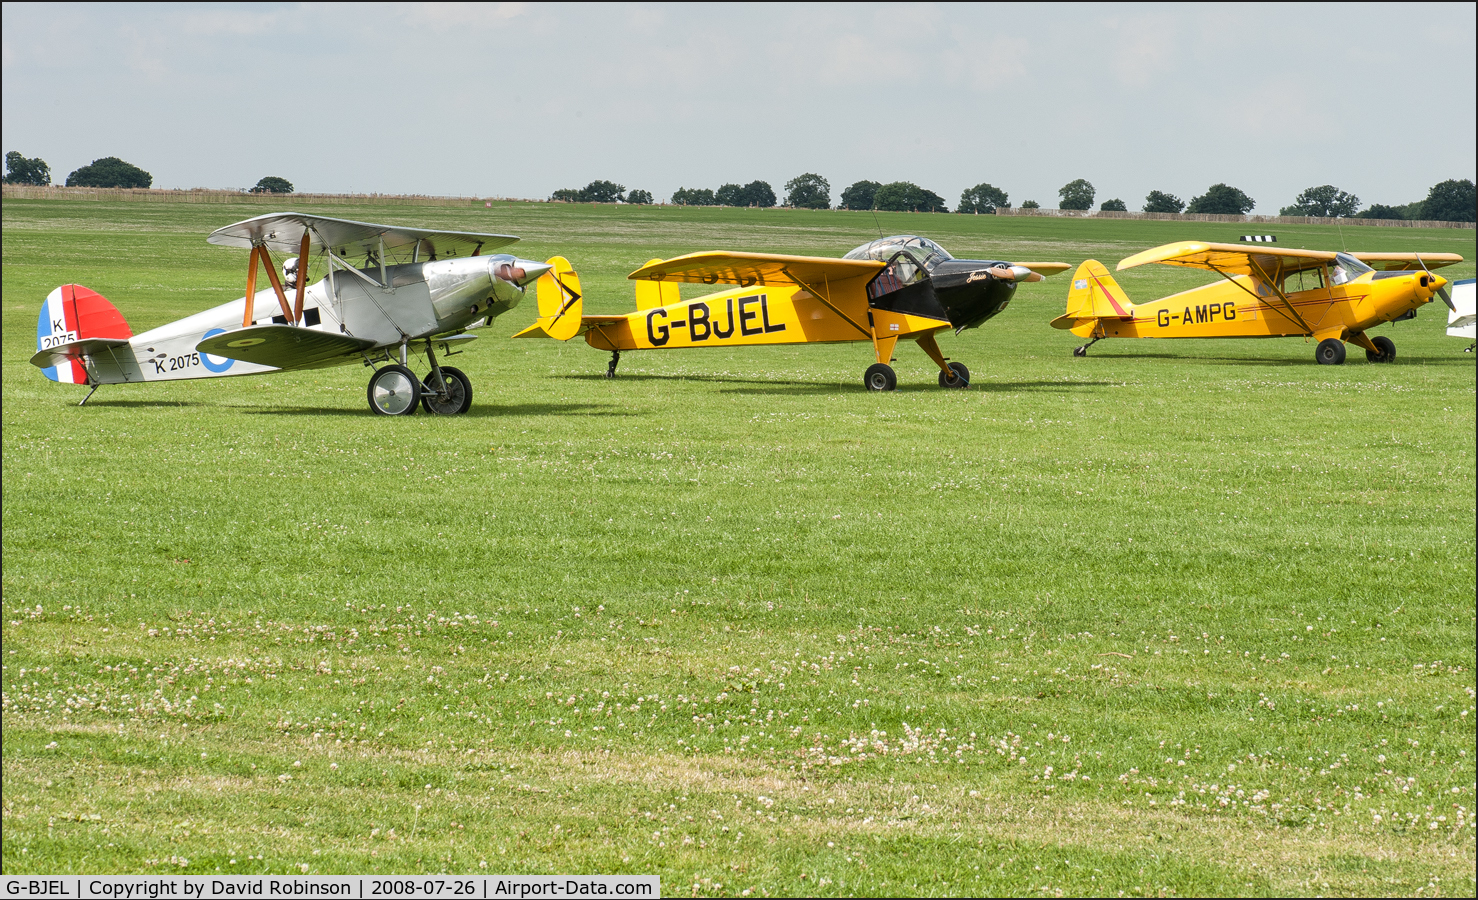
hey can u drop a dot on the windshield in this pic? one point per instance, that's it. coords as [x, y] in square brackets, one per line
[920, 248]
[1346, 269]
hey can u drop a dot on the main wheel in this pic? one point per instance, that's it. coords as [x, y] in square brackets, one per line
[458, 393]
[880, 377]
[394, 391]
[960, 379]
[1330, 352]
[1387, 348]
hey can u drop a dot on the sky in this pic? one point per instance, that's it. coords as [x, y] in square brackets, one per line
[520, 99]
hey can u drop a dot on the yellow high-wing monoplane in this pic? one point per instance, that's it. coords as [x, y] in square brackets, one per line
[900, 287]
[1331, 297]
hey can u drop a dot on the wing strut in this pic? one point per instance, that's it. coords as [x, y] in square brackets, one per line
[826, 300]
[251, 287]
[302, 277]
[1273, 287]
[1281, 296]
[287, 310]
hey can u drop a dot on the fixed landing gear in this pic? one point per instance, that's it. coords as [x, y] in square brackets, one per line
[959, 377]
[394, 391]
[611, 366]
[1387, 348]
[454, 400]
[1083, 350]
[880, 377]
[1330, 352]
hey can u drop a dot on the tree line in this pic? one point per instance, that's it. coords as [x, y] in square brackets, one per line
[1447, 201]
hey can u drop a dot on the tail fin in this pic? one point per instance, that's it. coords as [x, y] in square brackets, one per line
[652, 294]
[70, 315]
[560, 303]
[1093, 295]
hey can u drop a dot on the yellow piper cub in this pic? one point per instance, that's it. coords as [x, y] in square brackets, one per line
[1265, 292]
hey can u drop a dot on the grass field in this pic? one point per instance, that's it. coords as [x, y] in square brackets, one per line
[1177, 618]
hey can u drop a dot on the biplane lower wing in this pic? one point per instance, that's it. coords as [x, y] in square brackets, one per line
[284, 346]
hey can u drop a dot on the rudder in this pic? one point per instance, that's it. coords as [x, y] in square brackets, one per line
[1093, 295]
[560, 302]
[74, 313]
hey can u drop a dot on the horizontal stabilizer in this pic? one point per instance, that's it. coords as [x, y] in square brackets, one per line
[283, 346]
[61, 354]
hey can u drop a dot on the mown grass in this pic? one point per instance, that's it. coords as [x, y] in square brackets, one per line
[1180, 617]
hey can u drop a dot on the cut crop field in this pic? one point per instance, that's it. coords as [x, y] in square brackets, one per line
[1178, 618]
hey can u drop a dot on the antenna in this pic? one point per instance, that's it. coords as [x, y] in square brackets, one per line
[875, 221]
[1341, 235]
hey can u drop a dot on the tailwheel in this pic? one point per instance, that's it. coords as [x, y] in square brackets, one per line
[611, 366]
[394, 391]
[1080, 351]
[959, 376]
[1330, 352]
[880, 377]
[458, 398]
[1387, 348]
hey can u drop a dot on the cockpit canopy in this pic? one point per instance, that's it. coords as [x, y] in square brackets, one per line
[922, 249]
[1346, 269]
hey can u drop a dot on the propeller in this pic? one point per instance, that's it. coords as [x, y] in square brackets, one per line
[1441, 291]
[1014, 273]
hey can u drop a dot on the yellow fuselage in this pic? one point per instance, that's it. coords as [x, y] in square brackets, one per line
[774, 314]
[1246, 307]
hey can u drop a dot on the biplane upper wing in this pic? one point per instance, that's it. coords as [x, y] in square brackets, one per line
[284, 346]
[1230, 259]
[745, 269]
[284, 232]
[1404, 262]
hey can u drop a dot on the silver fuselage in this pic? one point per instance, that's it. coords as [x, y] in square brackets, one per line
[414, 301]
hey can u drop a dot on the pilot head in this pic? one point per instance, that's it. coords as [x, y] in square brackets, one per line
[290, 273]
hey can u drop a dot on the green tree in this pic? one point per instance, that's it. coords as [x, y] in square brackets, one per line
[860, 195]
[566, 195]
[1114, 205]
[1031, 204]
[905, 196]
[694, 197]
[729, 195]
[1076, 194]
[1450, 201]
[1325, 201]
[273, 185]
[983, 198]
[20, 170]
[758, 193]
[808, 191]
[1221, 200]
[1381, 211]
[1161, 202]
[639, 197]
[110, 172]
[602, 192]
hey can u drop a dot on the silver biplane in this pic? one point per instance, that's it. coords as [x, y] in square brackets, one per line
[416, 290]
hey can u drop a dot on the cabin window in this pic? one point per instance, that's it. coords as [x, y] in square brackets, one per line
[311, 316]
[1346, 269]
[1305, 280]
[901, 271]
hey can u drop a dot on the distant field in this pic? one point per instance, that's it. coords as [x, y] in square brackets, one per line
[1177, 618]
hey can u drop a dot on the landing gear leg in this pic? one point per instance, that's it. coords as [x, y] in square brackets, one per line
[611, 366]
[96, 386]
[446, 391]
[1083, 350]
